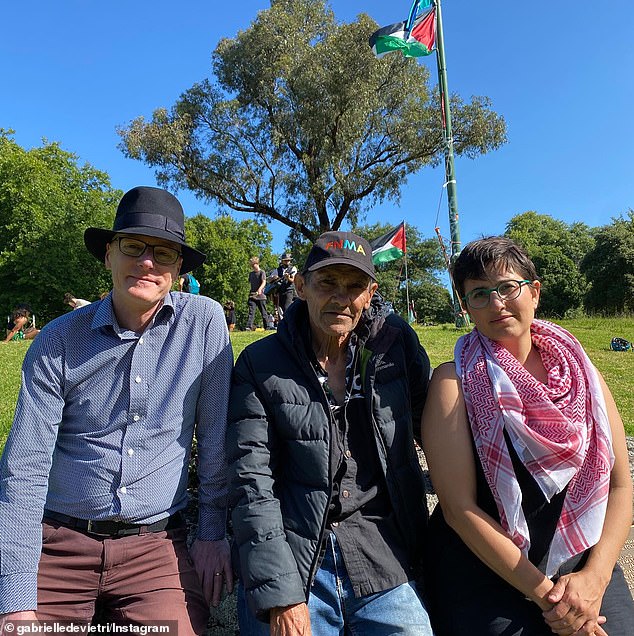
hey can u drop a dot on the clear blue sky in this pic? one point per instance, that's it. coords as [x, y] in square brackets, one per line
[561, 73]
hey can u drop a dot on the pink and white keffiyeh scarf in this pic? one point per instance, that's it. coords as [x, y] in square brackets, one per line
[560, 431]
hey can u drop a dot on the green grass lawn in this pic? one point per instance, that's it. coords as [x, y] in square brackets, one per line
[11, 356]
[594, 334]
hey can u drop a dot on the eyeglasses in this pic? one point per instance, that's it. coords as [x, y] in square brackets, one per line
[162, 254]
[506, 290]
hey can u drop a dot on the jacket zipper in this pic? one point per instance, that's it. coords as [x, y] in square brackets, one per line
[388, 467]
[313, 568]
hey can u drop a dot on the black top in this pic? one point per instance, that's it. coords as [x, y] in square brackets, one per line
[541, 516]
[360, 513]
[285, 285]
[255, 280]
[279, 444]
[466, 597]
[477, 597]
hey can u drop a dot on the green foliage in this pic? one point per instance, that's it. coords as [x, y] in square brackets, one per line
[301, 123]
[557, 249]
[534, 231]
[46, 202]
[432, 302]
[609, 268]
[562, 285]
[229, 244]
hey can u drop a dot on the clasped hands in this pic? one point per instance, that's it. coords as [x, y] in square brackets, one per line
[576, 603]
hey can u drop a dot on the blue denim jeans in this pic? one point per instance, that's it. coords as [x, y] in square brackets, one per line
[334, 610]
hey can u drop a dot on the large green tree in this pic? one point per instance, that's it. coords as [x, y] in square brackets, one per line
[301, 124]
[229, 244]
[557, 249]
[609, 268]
[46, 202]
[430, 298]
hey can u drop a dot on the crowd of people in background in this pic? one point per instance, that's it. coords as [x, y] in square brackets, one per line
[277, 288]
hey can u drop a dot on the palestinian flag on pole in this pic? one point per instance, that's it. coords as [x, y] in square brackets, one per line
[413, 38]
[390, 246]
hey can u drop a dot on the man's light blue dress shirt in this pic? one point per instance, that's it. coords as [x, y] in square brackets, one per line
[104, 424]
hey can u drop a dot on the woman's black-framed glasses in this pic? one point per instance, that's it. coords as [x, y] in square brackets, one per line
[506, 290]
[162, 254]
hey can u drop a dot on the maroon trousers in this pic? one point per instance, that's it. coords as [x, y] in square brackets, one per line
[141, 579]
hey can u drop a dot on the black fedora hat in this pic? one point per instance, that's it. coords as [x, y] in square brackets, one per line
[150, 212]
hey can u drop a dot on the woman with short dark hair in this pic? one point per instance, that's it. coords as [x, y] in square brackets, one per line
[527, 453]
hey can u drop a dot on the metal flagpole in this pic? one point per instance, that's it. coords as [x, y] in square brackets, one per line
[450, 174]
[405, 260]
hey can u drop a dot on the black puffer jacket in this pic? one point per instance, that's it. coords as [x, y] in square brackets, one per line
[278, 446]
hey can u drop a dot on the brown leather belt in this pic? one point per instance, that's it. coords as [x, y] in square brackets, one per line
[112, 529]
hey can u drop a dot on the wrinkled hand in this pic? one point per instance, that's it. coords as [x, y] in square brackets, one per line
[212, 560]
[11, 617]
[293, 620]
[576, 602]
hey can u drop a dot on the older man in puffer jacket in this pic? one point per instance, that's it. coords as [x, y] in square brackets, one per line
[327, 495]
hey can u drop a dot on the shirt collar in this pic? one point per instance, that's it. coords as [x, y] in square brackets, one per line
[105, 317]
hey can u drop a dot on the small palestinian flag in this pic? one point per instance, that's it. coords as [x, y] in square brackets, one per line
[420, 41]
[390, 246]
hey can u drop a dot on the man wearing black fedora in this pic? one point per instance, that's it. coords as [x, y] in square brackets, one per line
[94, 473]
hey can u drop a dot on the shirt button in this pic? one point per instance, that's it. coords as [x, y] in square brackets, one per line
[346, 494]
[348, 453]
[123, 490]
[136, 418]
[130, 451]
[335, 524]
[140, 340]
[137, 379]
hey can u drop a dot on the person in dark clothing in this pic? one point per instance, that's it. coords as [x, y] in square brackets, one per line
[326, 491]
[230, 314]
[527, 454]
[257, 297]
[286, 272]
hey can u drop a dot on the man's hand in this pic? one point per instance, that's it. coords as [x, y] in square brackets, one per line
[212, 560]
[577, 602]
[11, 617]
[293, 620]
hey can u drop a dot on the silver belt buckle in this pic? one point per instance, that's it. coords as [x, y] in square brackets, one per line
[89, 530]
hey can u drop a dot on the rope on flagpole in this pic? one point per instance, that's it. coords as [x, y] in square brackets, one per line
[398, 284]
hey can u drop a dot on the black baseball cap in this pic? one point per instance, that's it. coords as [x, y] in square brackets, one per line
[340, 248]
